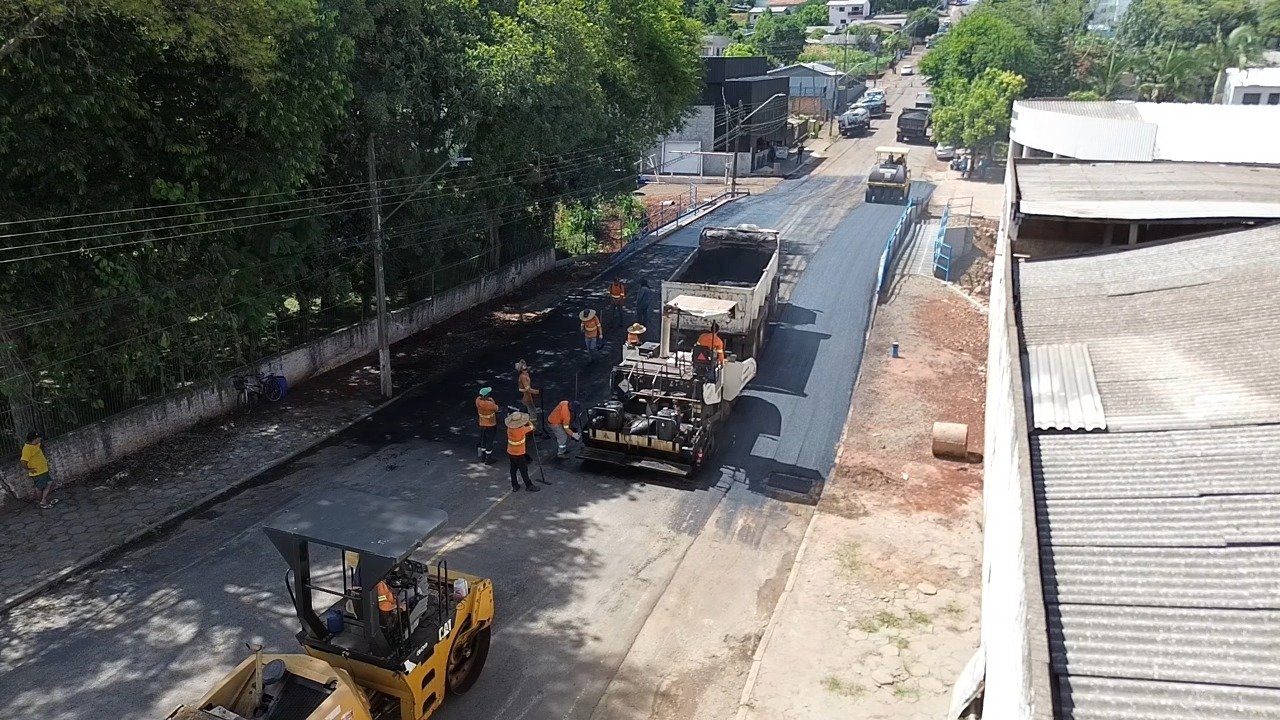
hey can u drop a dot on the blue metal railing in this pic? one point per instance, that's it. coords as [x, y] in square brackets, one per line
[941, 248]
[899, 233]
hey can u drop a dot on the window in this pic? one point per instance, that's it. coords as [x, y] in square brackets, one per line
[1273, 99]
[1251, 99]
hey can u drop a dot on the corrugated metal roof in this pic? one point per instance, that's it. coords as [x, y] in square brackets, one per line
[1160, 537]
[1064, 391]
[1148, 190]
[1095, 698]
[1086, 108]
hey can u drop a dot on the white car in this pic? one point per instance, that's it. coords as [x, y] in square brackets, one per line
[944, 152]
[906, 70]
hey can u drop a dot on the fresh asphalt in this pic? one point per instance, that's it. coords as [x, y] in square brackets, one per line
[577, 568]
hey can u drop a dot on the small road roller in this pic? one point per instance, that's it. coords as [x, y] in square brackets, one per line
[889, 181]
[384, 636]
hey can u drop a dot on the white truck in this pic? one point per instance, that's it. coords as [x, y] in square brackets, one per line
[669, 399]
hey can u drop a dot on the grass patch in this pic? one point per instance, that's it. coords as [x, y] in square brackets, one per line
[850, 559]
[904, 692]
[901, 643]
[952, 609]
[918, 617]
[836, 686]
[879, 621]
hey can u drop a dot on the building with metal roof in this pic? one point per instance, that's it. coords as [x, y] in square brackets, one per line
[1129, 131]
[1132, 536]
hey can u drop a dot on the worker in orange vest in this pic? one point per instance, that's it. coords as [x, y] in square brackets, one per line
[487, 419]
[519, 428]
[634, 333]
[618, 297]
[561, 421]
[592, 330]
[712, 340]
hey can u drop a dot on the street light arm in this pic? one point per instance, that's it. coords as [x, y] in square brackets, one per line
[451, 162]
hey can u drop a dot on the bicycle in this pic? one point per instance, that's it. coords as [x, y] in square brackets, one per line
[254, 387]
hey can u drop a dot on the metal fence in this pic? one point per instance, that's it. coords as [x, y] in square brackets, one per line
[33, 397]
[900, 231]
[662, 213]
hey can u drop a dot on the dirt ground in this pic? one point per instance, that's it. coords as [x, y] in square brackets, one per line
[884, 609]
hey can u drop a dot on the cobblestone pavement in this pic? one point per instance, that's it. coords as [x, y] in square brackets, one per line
[110, 509]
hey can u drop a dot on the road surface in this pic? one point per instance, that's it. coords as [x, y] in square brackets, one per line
[618, 595]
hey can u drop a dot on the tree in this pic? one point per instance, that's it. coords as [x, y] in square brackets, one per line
[781, 39]
[980, 116]
[981, 41]
[813, 13]
[740, 50]
[1269, 23]
[922, 22]
[1239, 48]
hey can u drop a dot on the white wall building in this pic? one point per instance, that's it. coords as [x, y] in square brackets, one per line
[715, 45]
[1183, 132]
[840, 13]
[1252, 86]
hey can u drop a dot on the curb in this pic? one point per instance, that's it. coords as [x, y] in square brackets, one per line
[248, 480]
[183, 513]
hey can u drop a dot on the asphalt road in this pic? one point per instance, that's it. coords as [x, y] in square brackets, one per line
[592, 574]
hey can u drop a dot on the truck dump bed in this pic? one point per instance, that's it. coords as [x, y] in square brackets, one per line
[738, 264]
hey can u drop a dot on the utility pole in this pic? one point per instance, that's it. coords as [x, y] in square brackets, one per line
[379, 277]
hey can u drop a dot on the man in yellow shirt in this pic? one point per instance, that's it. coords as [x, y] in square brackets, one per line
[37, 467]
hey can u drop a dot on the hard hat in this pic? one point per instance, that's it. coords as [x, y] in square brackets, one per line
[484, 391]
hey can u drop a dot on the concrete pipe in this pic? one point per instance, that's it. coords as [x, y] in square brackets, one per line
[951, 440]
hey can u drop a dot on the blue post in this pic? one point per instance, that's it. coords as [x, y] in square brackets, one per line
[893, 350]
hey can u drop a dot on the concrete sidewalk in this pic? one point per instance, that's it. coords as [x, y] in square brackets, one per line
[182, 475]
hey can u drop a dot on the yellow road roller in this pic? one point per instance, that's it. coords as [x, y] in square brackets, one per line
[385, 637]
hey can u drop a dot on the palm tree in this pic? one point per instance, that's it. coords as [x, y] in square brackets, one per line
[1166, 74]
[1240, 48]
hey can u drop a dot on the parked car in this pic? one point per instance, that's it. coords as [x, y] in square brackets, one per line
[906, 70]
[944, 152]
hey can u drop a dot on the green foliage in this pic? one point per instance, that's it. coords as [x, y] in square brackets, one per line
[977, 115]
[980, 42]
[108, 105]
[781, 39]
[922, 22]
[812, 13]
[740, 50]
[883, 7]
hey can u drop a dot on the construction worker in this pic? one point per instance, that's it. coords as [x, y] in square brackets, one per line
[634, 333]
[712, 340]
[561, 421]
[524, 384]
[618, 297]
[644, 303]
[592, 331]
[519, 428]
[487, 419]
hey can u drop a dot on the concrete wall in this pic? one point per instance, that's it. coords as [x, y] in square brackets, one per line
[1013, 634]
[82, 451]
[700, 126]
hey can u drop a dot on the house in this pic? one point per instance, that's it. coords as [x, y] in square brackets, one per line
[819, 90]
[840, 13]
[1186, 132]
[715, 45]
[1252, 86]
[1131, 557]
[754, 15]
[733, 89]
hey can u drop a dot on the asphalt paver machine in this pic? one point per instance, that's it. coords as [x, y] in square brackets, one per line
[385, 637]
[889, 180]
[669, 400]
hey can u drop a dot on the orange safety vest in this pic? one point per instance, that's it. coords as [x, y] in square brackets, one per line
[516, 439]
[714, 342]
[591, 328]
[487, 409]
[386, 600]
[561, 415]
[617, 291]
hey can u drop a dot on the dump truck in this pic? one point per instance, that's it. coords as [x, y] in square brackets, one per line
[913, 125]
[889, 180]
[392, 637]
[669, 400]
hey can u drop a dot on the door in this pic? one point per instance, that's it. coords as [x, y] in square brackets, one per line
[678, 157]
